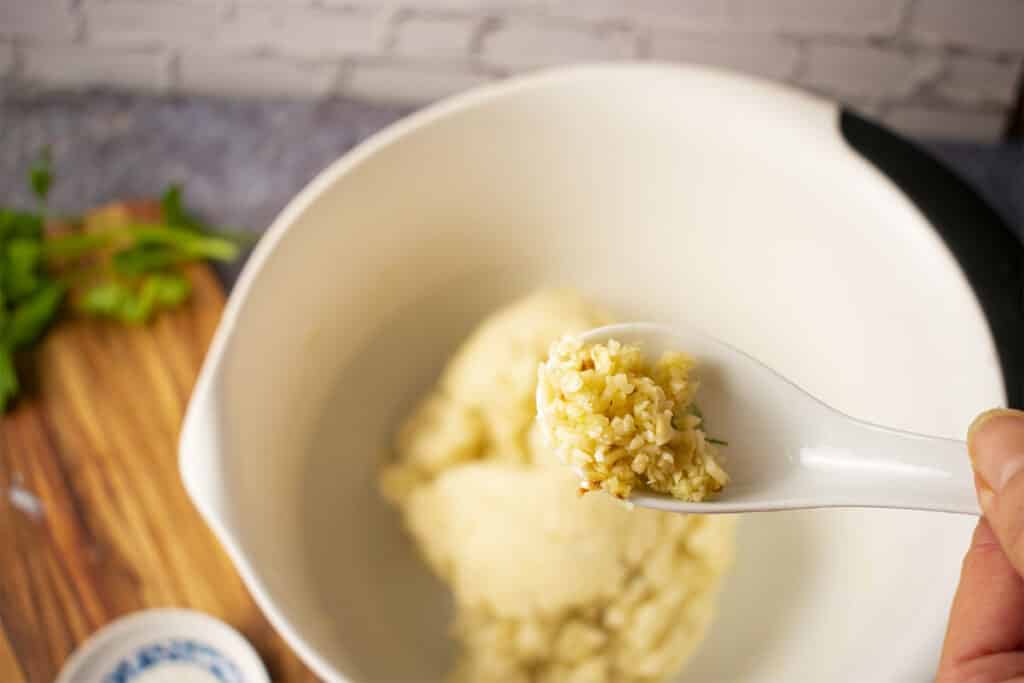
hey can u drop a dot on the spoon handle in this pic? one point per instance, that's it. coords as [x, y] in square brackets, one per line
[885, 467]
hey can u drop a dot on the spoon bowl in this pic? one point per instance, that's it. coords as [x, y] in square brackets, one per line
[787, 450]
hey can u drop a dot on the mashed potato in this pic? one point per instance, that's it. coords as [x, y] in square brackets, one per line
[621, 423]
[549, 587]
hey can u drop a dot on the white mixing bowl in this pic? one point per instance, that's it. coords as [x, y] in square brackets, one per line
[663, 192]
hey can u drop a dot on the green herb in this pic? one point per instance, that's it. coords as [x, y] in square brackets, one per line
[174, 211]
[8, 378]
[104, 299]
[22, 276]
[40, 176]
[127, 304]
[130, 272]
[145, 258]
[694, 409]
[176, 215]
[27, 323]
[171, 289]
[146, 246]
[138, 306]
[192, 244]
[20, 224]
[74, 245]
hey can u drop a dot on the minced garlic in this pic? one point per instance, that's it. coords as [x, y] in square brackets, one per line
[621, 423]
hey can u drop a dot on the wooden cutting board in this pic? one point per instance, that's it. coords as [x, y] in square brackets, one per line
[94, 521]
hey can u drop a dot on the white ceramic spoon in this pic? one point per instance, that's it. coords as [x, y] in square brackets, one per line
[788, 450]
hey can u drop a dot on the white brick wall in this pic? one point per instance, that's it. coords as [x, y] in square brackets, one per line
[946, 123]
[766, 56]
[408, 83]
[233, 76]
[432, 37]
[973, 81]
[518, 44]
[867, 71]
[858, 18]
[302, 32]
[60, 66]
[690, 15]
[37, 19]
[496, 6]
[979, 24]
[932, 67]
[136, 23]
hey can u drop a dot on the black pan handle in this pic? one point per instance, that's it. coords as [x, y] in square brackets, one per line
[989, 253]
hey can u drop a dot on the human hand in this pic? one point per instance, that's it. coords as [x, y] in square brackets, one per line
[985, 637]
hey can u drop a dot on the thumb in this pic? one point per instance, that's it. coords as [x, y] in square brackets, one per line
[996, 444]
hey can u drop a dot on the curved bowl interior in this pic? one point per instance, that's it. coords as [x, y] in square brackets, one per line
[664, 193]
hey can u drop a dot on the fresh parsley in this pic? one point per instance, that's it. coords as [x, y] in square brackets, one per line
[126, 273]
[40, 176]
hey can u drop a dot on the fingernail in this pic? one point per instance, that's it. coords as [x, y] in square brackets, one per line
[985, 495]
[995, 442]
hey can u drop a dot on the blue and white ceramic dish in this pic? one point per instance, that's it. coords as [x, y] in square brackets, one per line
[165, 646]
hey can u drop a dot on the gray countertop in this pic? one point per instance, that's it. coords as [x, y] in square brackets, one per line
[242, 160]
